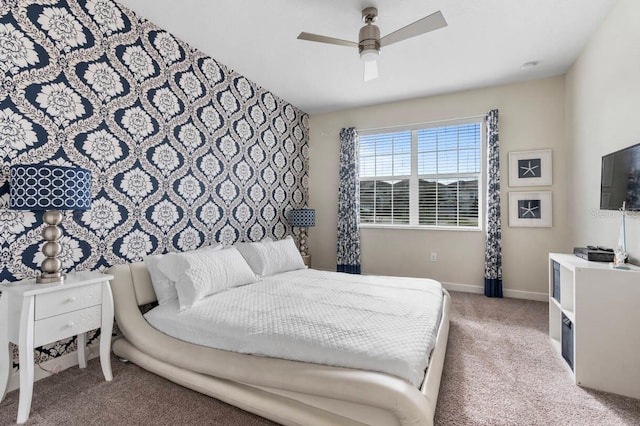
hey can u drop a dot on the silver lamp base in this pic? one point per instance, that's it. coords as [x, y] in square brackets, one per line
[302, 240]
[45, 278]
[51, 265]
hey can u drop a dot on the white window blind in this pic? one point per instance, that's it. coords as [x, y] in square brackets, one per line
[422, 177]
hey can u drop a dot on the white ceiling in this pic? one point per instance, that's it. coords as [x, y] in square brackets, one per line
[485, 44]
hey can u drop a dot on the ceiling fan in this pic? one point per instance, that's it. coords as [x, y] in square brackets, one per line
[370, 41]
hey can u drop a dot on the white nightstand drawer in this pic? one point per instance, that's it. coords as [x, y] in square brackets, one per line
[62, 301]
[66, 325]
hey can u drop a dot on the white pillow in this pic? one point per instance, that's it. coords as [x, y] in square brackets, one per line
[201, 273]
[253, 254]
[165, 288]
[272, 257]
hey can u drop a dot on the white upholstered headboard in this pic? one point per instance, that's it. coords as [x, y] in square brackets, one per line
[136, 275]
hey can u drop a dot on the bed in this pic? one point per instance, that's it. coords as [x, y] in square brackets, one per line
[284, 390]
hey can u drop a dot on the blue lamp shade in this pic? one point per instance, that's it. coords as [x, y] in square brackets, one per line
[41, 187]
[302, 218]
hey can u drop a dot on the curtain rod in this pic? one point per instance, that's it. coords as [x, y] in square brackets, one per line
[418, 124]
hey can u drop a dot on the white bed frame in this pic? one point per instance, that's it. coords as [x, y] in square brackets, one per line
[288, 392]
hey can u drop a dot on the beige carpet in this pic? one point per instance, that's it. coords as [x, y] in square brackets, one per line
[500, 370]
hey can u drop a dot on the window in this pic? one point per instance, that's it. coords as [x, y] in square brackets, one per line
[422, 177]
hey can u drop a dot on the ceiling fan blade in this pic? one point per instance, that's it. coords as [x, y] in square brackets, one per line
[325, 39]
[428, 23]
[370, 70]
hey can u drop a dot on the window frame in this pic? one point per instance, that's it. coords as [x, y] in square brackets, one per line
[415, 177]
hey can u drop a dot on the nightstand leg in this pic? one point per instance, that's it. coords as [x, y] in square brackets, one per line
[105, 331]
[81, 340]
[5, 368]
[26, 359]
[5, 352]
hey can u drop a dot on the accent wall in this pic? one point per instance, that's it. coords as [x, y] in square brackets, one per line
[184, 151]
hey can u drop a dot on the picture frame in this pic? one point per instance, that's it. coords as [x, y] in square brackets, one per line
[531, 209]
[530, 168]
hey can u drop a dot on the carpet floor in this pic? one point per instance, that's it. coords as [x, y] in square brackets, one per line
[500, 369]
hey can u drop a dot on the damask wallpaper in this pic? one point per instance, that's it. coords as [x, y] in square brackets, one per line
[184, 152]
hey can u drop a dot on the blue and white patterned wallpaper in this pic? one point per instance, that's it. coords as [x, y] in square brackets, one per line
[184, 152]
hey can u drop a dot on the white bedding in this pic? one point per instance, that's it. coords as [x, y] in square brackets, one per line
[384, 324]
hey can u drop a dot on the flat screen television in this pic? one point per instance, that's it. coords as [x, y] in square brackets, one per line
[620, 180]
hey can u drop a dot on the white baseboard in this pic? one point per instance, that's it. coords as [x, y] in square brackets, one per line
[463, 288]
[528, 295]
[62, 362]
[514, 294]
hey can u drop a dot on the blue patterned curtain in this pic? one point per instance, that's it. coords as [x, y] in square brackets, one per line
[493, 250]
[348, 258]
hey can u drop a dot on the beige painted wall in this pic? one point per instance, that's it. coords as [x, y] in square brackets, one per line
[531, 117]
[603, 111]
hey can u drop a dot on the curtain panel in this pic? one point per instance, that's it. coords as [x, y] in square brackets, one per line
[493, 249]
[348, 249]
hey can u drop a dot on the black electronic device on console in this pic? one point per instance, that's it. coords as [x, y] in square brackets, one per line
[594, 254]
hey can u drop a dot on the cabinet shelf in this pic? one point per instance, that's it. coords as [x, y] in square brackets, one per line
[599, 337]
[569, 314]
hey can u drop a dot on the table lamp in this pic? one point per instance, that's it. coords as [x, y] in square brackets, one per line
[39, 187]
[302, 218]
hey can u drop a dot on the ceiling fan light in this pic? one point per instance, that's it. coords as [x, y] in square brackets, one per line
[368, 55]
[370, 70]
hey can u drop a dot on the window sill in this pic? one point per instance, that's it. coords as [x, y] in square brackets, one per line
[419, 228]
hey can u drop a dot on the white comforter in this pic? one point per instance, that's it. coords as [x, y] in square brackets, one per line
[384, 324]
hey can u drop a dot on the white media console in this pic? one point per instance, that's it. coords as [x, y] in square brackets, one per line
[594, 322]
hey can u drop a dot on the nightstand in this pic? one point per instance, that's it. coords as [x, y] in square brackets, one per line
[33, 315]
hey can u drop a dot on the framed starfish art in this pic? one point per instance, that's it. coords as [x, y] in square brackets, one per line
[531, 209]
[530, 168]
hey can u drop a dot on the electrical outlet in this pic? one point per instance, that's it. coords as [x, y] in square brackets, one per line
[434, 256]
